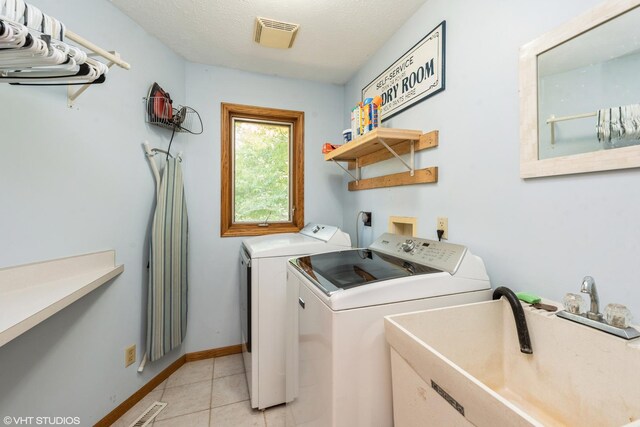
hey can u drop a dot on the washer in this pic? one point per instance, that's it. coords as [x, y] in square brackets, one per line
[263, 262]
[338, 364]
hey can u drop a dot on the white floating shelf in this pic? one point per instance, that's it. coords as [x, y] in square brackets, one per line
[32, 293]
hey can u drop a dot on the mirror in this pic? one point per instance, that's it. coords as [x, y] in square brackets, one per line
[580, 94]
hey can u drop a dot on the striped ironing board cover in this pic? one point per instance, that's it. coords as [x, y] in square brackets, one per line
[167, 296]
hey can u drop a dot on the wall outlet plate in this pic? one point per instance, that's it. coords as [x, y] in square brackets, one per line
[443, 224]
[129, 355]
[366, 218]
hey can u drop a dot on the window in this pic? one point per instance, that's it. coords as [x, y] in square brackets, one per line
[262, 170]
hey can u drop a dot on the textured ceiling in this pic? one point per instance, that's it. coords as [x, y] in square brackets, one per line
[335, 38]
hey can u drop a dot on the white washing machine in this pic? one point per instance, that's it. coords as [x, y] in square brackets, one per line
[263, 266]
[338, 363]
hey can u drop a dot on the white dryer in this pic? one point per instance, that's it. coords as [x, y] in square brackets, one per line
[338, 363]
[263, 266]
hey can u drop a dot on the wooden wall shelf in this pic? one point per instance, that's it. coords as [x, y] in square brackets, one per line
[421, 176]
[382, 144]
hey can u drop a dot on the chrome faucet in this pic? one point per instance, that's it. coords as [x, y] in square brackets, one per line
[588, 286]
[593, 318]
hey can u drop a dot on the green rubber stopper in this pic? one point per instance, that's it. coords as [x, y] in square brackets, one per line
[528, 298]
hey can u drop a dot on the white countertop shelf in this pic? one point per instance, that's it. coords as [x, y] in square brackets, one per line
[31, 293]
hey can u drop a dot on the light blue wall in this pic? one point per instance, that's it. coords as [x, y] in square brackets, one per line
[75, 181]
[541, 235]
[214, 300]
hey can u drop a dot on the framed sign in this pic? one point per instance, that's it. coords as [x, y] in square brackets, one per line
[416, 76]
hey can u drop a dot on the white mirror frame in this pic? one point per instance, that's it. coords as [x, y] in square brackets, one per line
[530, 165]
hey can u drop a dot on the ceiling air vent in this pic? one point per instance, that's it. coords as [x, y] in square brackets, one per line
[277, 34]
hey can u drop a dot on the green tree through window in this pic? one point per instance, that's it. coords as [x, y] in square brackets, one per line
[262, 171]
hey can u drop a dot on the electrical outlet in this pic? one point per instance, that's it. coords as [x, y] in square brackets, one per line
[129, 355]
[366, 218]
[443, 224]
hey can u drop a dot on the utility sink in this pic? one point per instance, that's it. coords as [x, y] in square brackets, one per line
[462, 366]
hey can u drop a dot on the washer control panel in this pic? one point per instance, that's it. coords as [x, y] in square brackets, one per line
[441, 255]
[319, 231]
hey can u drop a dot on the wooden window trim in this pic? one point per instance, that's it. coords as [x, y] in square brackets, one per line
[228, 113]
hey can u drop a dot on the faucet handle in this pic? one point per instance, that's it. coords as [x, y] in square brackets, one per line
[574, 303]
[617, 315]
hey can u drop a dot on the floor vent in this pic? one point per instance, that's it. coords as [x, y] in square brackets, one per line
[147, 416]
[276, 34]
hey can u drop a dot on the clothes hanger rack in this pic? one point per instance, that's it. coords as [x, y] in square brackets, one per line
[111, 56]
[34, 51]
[618, 123]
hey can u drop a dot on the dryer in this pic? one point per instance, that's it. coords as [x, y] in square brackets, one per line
[338, 362]
[263, 262]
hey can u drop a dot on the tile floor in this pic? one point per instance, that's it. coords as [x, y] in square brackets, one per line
[206, 393]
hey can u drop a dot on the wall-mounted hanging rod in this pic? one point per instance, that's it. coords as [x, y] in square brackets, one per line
[553, 119]
[111, 56]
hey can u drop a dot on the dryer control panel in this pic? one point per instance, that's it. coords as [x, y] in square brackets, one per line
[327, 233]
[319, 231]
[441, 255]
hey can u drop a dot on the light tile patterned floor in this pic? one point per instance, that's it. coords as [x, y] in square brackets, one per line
[207, 393]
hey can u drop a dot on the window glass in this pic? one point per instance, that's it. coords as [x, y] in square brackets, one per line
[262, 165]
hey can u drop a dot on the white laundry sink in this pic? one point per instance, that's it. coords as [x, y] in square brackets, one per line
[466, 360]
